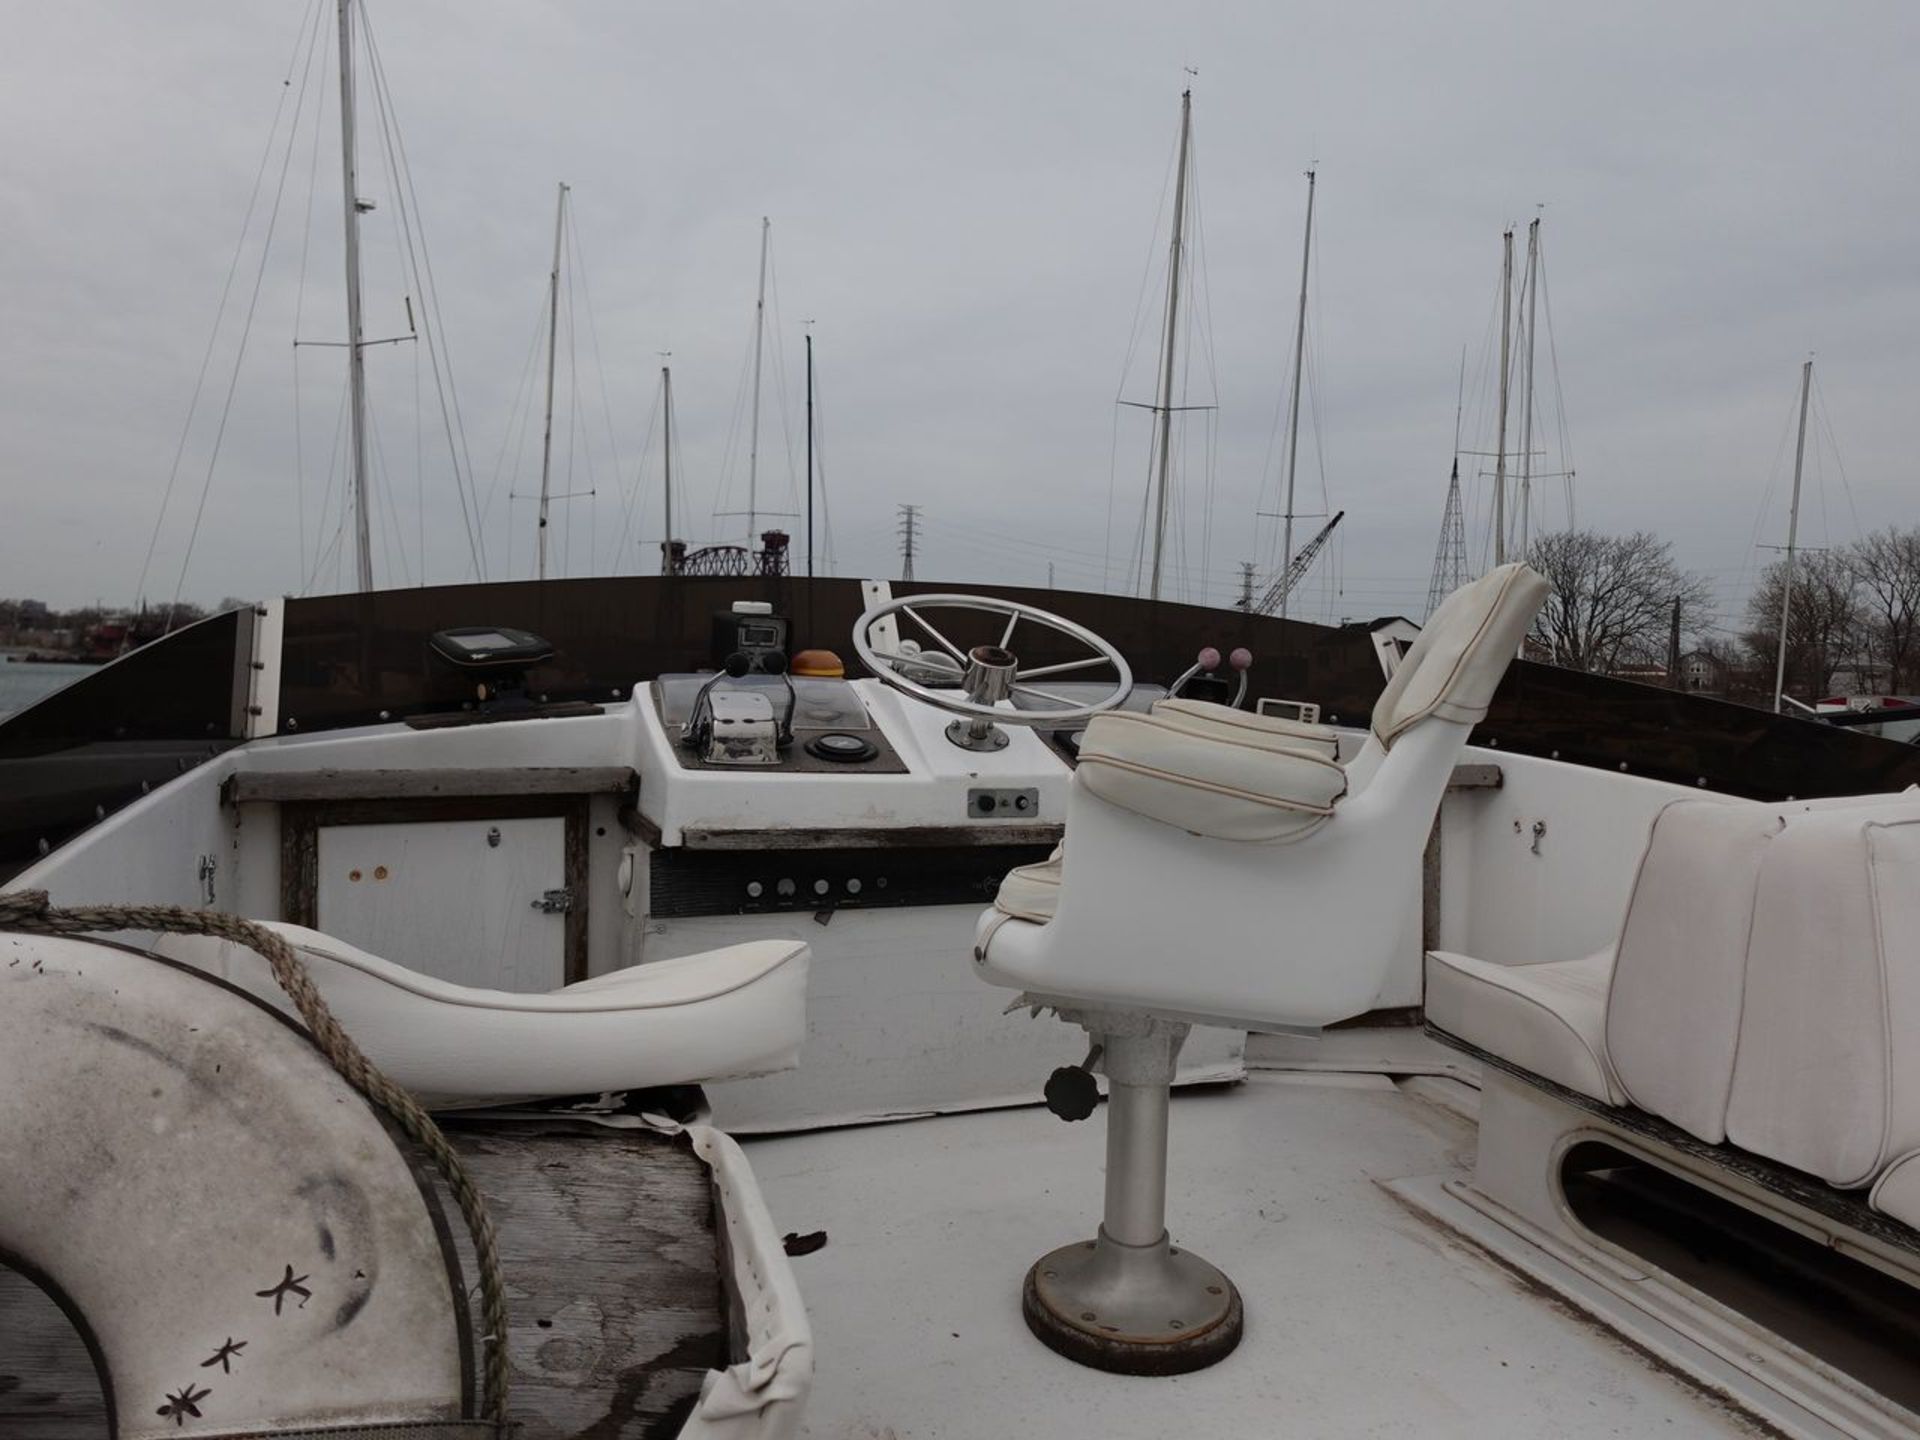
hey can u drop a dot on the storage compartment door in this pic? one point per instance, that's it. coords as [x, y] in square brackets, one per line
[477, 902]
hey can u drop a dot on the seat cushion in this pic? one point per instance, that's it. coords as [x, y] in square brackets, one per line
[1673, 1010]
[724, 1014]
[1185, 773]
[1031, 892]
[1827, 1077]
[1897, 1191]
[1203, 717]
[1464, 648]
[1548, 1018]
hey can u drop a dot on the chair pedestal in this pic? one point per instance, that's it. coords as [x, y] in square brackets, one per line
[1130, 1301]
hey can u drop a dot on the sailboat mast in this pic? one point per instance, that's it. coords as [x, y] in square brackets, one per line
[1172, 338]
[553, 338]
[1500, 447]
[666, 466]
[753, 434]
[1793, 537]
[1532, 287]
[356, 359]
[809, 456]
[1293, 406]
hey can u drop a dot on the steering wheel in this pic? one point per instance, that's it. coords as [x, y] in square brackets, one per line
[989, 673]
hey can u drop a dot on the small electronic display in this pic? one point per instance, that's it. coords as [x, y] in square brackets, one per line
[489, 647]
[481, 640]
[750, 628]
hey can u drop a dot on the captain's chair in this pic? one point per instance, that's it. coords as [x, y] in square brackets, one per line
[1224, 867]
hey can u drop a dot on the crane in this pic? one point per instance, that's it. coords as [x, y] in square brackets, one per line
[1296, 568]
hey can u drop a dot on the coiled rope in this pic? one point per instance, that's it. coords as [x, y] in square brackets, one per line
[29, 911]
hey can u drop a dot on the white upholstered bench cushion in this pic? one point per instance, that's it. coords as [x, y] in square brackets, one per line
[1673, 1010]
[1203, 717]
[1032, 892]
[1827, 1078]
[1227, 789]
[1548, 1018]
[1897, 1191]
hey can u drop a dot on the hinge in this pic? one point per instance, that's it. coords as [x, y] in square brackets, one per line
[554, 902]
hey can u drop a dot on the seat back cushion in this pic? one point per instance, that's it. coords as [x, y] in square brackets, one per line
[1463, 650]
[1226, 789]
[1032, 892]
[1203, 717]
[1673, 1012]
[1827, 1074]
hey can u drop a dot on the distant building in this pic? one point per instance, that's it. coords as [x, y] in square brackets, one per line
[1392, 636]
[1702, 673]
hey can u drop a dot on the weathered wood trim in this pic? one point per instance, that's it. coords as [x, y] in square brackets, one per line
[640, 827]
[574, 871]
[302, 785]
[696, 837]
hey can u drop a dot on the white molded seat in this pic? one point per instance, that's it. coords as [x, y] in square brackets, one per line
[1185, 823]
[1827, 1079]
[725, 1014]
[1549, 1018]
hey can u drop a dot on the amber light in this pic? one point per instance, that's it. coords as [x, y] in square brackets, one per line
[819, 665]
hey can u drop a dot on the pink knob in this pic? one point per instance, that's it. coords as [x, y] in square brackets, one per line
[1209, 658]
[1241, 658]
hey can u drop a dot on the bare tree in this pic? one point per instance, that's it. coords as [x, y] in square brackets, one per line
[1613, 598]
[1887, 566]
[1823, 628]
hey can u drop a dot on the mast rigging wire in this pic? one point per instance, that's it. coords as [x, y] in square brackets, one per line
[301, 38]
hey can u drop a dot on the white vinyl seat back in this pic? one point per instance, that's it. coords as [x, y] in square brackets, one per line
[1827, 1075]
[1680, 968]
[1453, 668]
[1220, 871]
[723, 1014]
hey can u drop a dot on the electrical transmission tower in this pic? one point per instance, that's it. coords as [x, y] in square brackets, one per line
[1450, 559]
[909, 533]
[1245, 602]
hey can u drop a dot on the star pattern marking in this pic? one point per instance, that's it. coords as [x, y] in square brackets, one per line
[225, 1355]
[185, 1403]
[291, 1284]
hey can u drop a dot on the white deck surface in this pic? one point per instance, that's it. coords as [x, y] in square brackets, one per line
[1362, 1319]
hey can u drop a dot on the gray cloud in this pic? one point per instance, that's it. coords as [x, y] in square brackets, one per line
[964, 200]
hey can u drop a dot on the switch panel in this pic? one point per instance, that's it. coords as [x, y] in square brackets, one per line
[985, 804]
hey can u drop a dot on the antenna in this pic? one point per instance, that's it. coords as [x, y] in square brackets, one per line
[1450, 556]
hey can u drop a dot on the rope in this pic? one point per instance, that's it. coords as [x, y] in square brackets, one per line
[30, 912]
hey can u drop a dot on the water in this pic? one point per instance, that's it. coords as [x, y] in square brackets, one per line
[23, 682]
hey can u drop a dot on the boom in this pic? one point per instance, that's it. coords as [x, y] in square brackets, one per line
[1296, 568]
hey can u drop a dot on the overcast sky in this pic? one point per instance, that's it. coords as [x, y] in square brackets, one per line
[967, 203]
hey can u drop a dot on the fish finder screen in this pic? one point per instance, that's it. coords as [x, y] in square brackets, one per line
[490, 640]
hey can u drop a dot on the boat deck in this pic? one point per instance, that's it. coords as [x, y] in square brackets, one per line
[1363, 1319]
